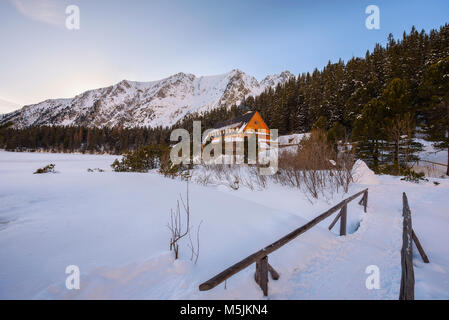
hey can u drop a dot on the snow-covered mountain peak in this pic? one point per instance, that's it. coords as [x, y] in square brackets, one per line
[275, 79]
[155, 103]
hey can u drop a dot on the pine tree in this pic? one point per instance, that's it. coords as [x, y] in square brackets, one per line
[369, 132]
[321, 124]
[435, 91]
[398, 116]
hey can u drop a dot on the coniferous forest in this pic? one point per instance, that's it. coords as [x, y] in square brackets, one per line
[81, 139]
[379, 101]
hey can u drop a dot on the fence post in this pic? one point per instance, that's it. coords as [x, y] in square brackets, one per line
[407, 291]
[344, 212]
[335, 220]
[365, 203]
[274, 274]
[261, 275]
[420, 248]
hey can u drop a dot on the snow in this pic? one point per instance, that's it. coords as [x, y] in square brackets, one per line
[292, 138]
[113, 227]
[362, 174]
[431, 154]
[432, 161]
[288, 143]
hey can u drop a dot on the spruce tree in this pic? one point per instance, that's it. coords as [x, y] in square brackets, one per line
[435, 91]
[369, 133]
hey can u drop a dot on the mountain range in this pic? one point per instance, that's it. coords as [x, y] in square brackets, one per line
[136, 104]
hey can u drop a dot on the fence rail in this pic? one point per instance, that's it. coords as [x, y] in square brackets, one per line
[407, 291]
[432, 162]
[261, 257]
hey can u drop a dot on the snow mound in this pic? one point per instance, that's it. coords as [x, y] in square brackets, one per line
[362, 174]
[292, 138]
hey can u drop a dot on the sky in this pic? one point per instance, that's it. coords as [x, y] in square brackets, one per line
[150, 39]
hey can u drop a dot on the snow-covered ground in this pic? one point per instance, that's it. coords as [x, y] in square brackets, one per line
[431, 154]
[433, 162]
[113, 226]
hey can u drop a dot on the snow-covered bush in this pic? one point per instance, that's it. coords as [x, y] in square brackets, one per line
[141, 160]
[412, 176]
[171, 170]
[46, 169]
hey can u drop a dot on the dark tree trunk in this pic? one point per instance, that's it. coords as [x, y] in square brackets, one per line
[396, 156]
[447, 138]
[376, 156]
[447, 170]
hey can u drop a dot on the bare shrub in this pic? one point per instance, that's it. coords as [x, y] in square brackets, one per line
[178, 230]
[232, 176]
[195, 245]
[233, 181]
[289, 171]
[343, 168]
[201, 175]
[309, 168]
[204, 180]
[316, 167]
[175, 226]
[257, 179]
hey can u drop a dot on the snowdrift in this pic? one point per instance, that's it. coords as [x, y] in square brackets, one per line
[362, 174]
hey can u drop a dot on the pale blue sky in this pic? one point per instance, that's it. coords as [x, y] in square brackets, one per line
[149, 40]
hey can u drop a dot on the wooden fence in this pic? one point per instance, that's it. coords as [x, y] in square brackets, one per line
[432, 162]
[407, 291]
[261, 257]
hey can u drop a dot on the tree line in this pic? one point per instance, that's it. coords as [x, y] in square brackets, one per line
[115, 140]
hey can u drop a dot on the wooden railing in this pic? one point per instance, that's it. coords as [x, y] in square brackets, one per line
[261, 257]
[407, 291]
[432, 162]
